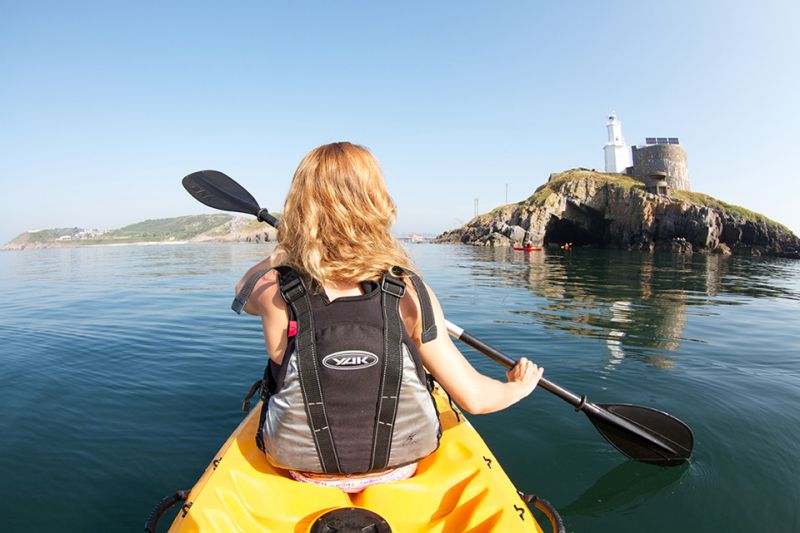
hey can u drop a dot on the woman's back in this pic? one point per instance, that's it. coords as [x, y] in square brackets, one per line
[343, 324]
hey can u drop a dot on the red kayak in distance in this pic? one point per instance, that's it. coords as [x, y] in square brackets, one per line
[522, 249]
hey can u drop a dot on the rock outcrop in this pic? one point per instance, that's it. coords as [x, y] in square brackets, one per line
[239, 229]
[585, 207]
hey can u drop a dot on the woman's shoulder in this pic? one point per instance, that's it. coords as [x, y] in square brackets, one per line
[269, 282]
[271, 278]
[266, 294]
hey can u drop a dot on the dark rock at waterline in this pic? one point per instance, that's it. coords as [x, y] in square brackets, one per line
[585, 207]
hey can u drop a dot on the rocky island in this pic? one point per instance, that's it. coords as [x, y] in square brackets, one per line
[586, 207]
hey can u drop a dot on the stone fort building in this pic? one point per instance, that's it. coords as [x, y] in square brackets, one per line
[660, 163]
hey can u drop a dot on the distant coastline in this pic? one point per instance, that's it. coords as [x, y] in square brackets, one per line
[142, 243]
[166, 231]
[579, 207]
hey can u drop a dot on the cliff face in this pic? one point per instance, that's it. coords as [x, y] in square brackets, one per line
[239, 229]
[592, 208]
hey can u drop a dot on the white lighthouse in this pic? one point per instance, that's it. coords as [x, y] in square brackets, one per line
[618, 154]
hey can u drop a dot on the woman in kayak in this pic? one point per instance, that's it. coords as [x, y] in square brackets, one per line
[348, 327]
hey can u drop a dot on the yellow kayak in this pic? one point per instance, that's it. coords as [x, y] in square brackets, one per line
[459, 488]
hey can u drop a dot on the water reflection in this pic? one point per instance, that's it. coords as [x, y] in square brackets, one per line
[145, 262]
[637, 304]
[624, 487]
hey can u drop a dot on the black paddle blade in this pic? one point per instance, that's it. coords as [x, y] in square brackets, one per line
[219, 191]
[651, 425]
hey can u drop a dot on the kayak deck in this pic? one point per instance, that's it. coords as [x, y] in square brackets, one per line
[460, 487]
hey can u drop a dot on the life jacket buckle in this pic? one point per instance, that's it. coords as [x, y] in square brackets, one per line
[292, 287]
[393, 286]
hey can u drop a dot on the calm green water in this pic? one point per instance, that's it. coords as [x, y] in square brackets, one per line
[122, 372]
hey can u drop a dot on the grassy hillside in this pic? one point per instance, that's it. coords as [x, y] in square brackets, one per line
[49, 235]
[699, 198]
[160, 230]
[166, 229]
[627, 182]
[556, 180]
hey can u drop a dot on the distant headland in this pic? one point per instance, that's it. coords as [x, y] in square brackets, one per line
[192, 228]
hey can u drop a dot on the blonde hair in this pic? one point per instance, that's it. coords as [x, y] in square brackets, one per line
[337, 217]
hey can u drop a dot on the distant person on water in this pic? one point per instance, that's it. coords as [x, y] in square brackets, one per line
[350, 330]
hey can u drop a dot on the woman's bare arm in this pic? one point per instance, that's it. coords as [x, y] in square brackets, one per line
[266, 301]
[472, 390]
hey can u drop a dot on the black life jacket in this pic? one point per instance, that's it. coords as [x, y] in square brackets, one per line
[351, 395]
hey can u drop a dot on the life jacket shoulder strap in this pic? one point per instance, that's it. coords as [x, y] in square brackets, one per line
[295, 293]
[247, 289]
[425, 305]
[392, 291]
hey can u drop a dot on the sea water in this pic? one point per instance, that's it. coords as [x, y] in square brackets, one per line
[122, 371]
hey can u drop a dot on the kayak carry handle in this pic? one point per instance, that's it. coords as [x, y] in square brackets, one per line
[152, 519]
[547, 508]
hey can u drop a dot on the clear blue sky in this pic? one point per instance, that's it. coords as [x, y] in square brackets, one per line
[105, 106]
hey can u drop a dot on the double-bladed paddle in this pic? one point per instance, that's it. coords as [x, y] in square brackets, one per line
[641, 433]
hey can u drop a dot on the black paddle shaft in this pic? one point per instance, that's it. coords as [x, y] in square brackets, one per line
[664, 440]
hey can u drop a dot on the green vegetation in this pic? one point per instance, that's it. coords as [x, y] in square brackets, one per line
[165, 229]
[556, 180]
[49, 235]
[699, 198]
[161, 230]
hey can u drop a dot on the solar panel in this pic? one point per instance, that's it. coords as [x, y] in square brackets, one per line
[673, 140]
[650, 140]
[662, 140]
